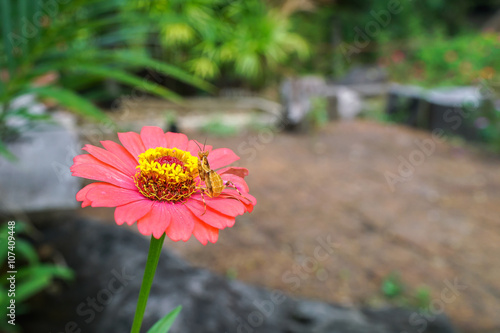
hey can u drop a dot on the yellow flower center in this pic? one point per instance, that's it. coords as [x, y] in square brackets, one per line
[166, 174]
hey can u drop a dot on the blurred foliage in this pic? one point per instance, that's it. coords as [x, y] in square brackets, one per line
[344, 33]
[375, 109]
[392, 286]
[61, 50]
[439, 61]
[318, 115]
[232, 273]
[396, 292]
[216, 126]
[465, 60]
[487, 120]
[32, 275]
[236, 39]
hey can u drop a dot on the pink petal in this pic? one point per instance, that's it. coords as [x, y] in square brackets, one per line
[182, 223]
[82, 194]
[246, 199]
[102, 172]
[86, 159]
[226, 206]
[237, 171]
[205, 233]
[176, 140]
[156, 221]
[153, 137]
[240, 184]
[106, 195]
[250, 198]
[121, 153]
[221, 157]
[193, 148]
[132, 212]
[133, 143]
[109, 158]
[209, 216]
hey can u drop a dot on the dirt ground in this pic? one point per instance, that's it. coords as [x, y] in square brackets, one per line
[328, 225]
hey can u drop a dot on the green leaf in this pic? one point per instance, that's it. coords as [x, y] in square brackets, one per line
[33, 279]
[3, 249]
[22, 6]
[392, 286]
[46, 269]
[32, 286]
[204, 67]
[164, 324]
[72, 101]
[248, 65]
[5, 152]
[139, 60]
[6, 28]
[130, 79]
[27, 251]
[423, 297]
[178, 33]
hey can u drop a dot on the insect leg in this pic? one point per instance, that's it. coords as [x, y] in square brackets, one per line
[231, 184]
[204, 203]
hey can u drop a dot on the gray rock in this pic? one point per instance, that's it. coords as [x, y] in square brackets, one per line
[40, 179]
[451, 110]
[30, 104]
[405, 104]
[455, 96]
[349, 103]
[296, 97]
[364, 75]
[409, 91]
[109, 260]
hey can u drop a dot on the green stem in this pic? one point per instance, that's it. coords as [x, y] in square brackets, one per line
[149, 272]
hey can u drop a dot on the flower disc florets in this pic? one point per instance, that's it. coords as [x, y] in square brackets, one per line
[166, 174]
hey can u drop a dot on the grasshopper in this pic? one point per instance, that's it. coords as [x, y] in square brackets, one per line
[214, 185]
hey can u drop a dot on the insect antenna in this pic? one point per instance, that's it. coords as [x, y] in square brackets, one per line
[198, 145]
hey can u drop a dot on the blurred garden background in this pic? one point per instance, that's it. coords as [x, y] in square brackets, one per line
[370, 126]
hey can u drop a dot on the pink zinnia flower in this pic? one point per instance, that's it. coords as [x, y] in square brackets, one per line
[153, 179]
